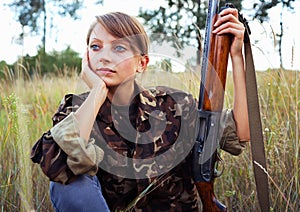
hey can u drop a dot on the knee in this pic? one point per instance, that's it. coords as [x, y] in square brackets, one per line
[83, 193]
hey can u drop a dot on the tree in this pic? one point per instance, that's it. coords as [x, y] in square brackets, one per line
[52, 62]
[33, 13]
[182, 19]
[262, 15]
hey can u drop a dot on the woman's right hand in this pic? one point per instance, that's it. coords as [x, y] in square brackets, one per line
[87, 112]
[89, 77]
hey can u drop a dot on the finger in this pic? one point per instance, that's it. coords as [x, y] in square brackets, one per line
[236, 29]
[237, 33]
[229, 10]
[227, 18]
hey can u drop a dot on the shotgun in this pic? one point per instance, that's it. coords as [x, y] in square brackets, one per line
[211, 97]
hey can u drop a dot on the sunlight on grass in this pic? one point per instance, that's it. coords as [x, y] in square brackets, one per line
[28, 102]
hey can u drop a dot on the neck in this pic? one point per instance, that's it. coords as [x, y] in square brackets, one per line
[121, 95]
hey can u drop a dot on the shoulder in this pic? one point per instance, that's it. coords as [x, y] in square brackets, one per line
[68, 104]
[73, 99]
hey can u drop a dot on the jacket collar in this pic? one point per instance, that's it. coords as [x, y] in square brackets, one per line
[144, 104]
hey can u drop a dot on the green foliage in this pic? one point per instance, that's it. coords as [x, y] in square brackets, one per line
[33, 14]
[3, 65]
[53, 62]
[263, 7]
[180, 21]
[29, 12]
[262, 14]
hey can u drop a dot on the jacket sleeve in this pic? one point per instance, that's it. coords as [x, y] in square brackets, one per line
[61, 152]
[229, 141]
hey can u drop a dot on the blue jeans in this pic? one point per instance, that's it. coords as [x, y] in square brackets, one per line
[84, 194]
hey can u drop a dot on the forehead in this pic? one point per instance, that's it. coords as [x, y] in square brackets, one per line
[100, 32]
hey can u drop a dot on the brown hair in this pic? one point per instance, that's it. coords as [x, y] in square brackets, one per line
[121, 25]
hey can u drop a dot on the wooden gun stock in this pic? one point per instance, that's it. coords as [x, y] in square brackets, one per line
[208, 198]
[211, 101]
[216, 73]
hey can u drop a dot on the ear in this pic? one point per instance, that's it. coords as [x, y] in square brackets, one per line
[143, 62]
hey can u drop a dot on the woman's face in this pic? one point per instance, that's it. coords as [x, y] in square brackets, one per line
[111, 58]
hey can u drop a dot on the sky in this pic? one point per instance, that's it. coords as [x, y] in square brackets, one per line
[72, 33]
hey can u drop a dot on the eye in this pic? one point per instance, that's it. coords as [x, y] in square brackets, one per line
[120, 48]
[95, 47]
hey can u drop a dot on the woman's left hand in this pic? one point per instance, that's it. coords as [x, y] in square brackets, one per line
[228, 22]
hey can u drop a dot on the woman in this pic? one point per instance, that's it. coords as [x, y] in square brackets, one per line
[135, 142]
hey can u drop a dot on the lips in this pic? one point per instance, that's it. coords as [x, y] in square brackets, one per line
[105, 71]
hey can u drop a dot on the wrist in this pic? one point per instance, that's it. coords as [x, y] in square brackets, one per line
[236, 55]
[98, 94]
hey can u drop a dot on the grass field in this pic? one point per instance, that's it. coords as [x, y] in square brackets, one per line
[27, 104]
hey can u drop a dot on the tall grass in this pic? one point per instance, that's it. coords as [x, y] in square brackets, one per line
[27, 105]
[279, 101]
[28, 102]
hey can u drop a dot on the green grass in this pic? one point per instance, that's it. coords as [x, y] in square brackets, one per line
[27, 104]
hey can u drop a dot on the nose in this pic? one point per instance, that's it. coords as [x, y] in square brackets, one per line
[104, 55]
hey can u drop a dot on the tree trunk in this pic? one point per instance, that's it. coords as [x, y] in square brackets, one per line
[280, 36]
[45, 26]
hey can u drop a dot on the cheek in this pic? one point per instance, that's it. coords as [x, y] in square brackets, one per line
[130, 62]
[92, 59]
[128, 66]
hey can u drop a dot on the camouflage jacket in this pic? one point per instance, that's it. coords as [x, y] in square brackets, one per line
[143, 148]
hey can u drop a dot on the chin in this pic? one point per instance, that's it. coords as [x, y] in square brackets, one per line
[110, 84]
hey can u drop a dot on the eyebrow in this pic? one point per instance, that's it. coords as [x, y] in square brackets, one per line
[96, 39]
[117, 41]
